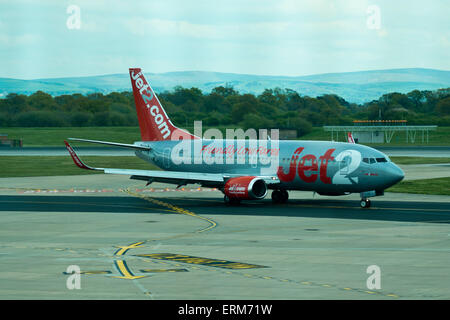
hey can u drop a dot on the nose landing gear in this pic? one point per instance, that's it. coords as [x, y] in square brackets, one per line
[365, 203]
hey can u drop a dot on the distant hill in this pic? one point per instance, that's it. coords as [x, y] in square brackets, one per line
[358, 87]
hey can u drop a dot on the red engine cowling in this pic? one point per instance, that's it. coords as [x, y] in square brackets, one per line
[245, 188]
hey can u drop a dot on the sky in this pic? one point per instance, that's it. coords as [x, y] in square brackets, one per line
[69, 38]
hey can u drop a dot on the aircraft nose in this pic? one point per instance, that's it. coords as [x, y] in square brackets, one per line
[396, 174]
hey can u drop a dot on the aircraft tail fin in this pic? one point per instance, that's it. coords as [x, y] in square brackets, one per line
[350, 138]
[154, 123]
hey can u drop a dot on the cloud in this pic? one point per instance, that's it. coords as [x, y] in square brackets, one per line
[273, 32]
[164, 28]
[322, 8]
[252, 36]
[19, 40]
[444, 41]
[159, 27]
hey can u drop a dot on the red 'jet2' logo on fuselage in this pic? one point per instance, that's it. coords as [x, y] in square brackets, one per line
[301, 169]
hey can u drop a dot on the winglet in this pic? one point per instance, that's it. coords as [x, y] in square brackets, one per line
[76, 159]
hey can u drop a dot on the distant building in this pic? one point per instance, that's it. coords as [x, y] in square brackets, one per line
[380, 131]
[5, 142]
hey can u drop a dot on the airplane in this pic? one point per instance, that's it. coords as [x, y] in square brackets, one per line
[237, 169]
[350, 138]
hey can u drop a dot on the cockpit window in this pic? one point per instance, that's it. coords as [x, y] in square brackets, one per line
[374, 160]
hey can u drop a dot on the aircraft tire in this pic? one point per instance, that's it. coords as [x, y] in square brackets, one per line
[277, 196]
[365, 203]
[285, 195]
[231, 201]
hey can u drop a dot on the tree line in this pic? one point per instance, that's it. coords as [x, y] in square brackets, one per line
[224, 106]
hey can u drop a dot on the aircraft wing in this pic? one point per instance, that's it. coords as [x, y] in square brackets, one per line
[176, 177]
[115, 144]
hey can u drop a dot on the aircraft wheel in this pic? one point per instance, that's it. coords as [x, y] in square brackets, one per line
[231, 201]
[277, 196]
[365, 203]
[285, 195]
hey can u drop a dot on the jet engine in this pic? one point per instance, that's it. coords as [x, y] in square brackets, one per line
[245, 188]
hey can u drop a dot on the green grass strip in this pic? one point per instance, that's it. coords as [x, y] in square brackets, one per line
[439, 186]
[17, 166]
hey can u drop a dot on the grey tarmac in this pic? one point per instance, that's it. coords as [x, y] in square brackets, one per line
[162, 243]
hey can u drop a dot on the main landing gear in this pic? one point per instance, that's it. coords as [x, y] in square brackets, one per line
[365, 203]
[231, 201]
[280, 196]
